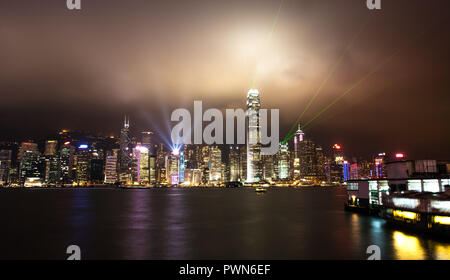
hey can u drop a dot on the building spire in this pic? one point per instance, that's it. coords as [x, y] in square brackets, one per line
[126, 123]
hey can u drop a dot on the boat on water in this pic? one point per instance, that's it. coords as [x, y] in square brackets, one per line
[260, 189]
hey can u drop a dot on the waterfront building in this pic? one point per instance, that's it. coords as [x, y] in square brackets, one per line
[52, 170]
[31, 167]
[125, 155]
[96, 171]
[152, 169]
[182, 165]
[354, 171]
[268, 167]
[283, 161]
[146, 141]
[111, 167]
[380, 167]
[298, 138]
[215, 168]
[161, 164]
[308, 162]
[192, 177]
[254, 163]
[141, 157]
[345, 171]
[66, 155]
[173, 167]
[24, 147]
[5, 166]
[51, 147]
[81, 164]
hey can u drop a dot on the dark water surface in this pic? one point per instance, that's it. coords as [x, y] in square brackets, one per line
[198, 223]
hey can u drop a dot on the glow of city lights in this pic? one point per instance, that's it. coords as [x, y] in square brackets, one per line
[142, 149]
[410, 203]
[67, 143]
[176, 151]
[337, 147]
[83, 146]
[405, 214]
[443, 220]
[330, 73]
[399, 155]
[441, 205]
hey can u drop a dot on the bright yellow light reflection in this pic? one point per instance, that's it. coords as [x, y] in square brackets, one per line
[443, 220]
[407, 247]
[442, 252]
[405, 214]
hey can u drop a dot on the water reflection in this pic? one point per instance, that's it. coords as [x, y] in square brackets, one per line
[407, 247]
[138, 219]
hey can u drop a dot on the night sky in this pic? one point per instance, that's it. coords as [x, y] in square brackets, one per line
[86, 69]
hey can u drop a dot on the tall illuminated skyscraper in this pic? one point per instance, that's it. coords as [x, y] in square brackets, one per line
[5, 166]
[66, 153]
[125, 155]
[298, 138]
[111, 167]
[254, 163]
[141, 154]
[283, 161]
[215, 168]
[173, 167]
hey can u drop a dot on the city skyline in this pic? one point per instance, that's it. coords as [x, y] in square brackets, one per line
[214, 51]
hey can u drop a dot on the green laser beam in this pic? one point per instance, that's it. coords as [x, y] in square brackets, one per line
[268, 39]
[330, 73]
[376, 69]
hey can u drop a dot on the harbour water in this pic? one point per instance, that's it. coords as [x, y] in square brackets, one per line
[198, 223]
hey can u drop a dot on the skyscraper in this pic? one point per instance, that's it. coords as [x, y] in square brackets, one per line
[31, 166]
[141, 154]
[234, 163]
[298, 138]
[308, 162]
[82, 163]
[111, 167]
[66, 155]
[125, 155]
[146, 139]
[50, 147]
[215, 170]
[5, 166]
[173, 167]
[52, 164]
[283, 161]
[254, 163]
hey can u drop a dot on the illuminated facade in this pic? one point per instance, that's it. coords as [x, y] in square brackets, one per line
[345, 171]
[254, 162]
[31, 166]
[81, 164]
[111, 167]
[215, 167]
[173, 168]
[66, 154]
[298, 138]
[141, 154]
[125, 155]
[283, 161]
[5, 166]
[51, 147]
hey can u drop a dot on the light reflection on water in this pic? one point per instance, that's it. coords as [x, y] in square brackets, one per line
[194, 223]
[410, 247]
